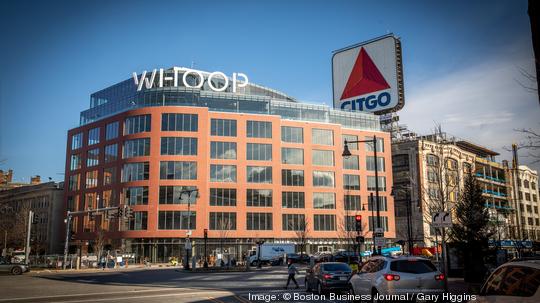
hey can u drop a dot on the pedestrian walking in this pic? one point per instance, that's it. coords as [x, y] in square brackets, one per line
[292, 270]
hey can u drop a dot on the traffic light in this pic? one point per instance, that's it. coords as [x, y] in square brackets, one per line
[128, 212]
[35, 219]
[120, 212]
[91, 216]
[358, 222]
[205, 233]
[360, 239]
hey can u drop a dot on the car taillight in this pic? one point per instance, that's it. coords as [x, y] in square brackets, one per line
[327, 276]
[391, 277]
[439, 277]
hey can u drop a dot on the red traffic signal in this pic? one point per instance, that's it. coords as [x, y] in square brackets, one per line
[358, 218]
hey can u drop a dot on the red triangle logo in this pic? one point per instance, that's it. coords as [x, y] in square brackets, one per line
[365, 77]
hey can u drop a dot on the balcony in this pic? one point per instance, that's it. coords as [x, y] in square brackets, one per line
[480, 175]
[489, 205]
[494, 193]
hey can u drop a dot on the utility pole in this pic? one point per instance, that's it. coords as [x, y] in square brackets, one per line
[28, 231]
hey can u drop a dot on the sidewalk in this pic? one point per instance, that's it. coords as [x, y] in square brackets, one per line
[97, 270]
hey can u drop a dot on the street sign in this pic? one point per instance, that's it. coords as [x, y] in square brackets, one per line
[379, 230]
[441, 219]
[188, 244]
[379, 241]
[378, 234]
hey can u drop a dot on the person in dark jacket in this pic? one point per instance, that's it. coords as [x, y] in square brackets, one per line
[292, 271]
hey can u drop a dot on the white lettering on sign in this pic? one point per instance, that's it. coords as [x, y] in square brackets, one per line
[147, 79]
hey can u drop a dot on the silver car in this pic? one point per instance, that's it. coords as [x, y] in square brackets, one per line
[516, 281]
[397, 278]
[12, 268]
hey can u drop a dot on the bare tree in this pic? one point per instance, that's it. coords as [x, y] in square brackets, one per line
[531, 143]
[301, 232]
[100, 241]
[224, 227]
[347, 229]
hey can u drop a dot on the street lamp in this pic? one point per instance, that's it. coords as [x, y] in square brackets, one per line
[347, 153]
[408, 205]
[188, 195]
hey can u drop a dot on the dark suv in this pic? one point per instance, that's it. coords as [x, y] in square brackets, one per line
[326, 276]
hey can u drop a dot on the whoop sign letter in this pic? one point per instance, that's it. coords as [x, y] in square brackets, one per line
[148, 79]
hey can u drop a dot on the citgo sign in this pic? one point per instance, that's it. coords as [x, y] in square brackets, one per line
[368, 76]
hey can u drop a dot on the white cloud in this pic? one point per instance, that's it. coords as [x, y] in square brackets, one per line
[483, 103]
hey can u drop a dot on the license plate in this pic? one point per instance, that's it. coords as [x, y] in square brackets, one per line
[343, 278]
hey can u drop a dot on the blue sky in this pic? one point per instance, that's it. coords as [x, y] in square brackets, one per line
[461, 60]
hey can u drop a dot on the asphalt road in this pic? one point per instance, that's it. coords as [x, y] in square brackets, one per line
[152, 285]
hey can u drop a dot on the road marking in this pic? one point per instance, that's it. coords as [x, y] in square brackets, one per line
[85, 294]
[137, 297]
[215, 300]
[239, 298]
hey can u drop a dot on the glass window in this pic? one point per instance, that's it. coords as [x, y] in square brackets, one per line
[351, 162]
[259, 221]
[294, 222]
[259, 174]
[432, 160]
[259, 197]
[512, 280]
[259, 129]
[222, 173]
[351, 182]
[135, 171]
[76, 141]
[177, 220]
[324, 222]
[93, 136]
[380, 144]
[137, 124]
[184, 146]
[292, 177]
[92, 157]
[324, 200]
[223, 127]
[371, 183]
[109, 175]
[370, 163]
[111, 131]
[139, 221]
[222, 221]
[383, 224]
[322, 136]
[257, 151]
[323, 157]
[74, 182]
[352, 202]
[292, 134]
[323, 178]
[350, 138]
[173, 194]
[222, 150]
[135, 195]
[75, 162]
[292, 199]
[178, 170]
[222, 196]
[383, 205]
[136, 148]
[292, 155]
[179, 122]
[91, 179]
[111, 153]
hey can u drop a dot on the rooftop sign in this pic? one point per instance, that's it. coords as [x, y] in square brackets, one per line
[369, 76]
[148, 80]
